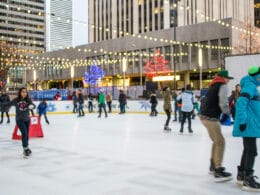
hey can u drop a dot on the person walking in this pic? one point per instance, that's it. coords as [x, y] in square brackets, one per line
[22, 104]
[101, 104]
[167, 106]
[4, 98]
[246, 125]
[80, 100]
[154, 102]
[188, 100]
[42, 110]
[213, 104]
[109, 102]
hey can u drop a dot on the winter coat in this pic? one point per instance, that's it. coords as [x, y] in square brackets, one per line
[215, 101]
[4, 98]
[167, 97]
[248, 108]
[188, 99]
[122, 98]
[80, 99]
[42, 108]
[153, 99]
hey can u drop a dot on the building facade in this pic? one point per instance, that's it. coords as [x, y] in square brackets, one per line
[138, 30]
[58, 24]
[109, 19]
[22, 33]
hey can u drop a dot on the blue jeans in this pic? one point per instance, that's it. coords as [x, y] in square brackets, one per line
[24, 128]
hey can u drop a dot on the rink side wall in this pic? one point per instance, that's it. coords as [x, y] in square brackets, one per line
[65, 107]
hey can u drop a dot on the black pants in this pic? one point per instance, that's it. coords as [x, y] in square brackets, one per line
[168, 113]
[109, 106]
[2, 116]
[153, 109]
[90, 107]
[24, 128]
[81, 111]
[45, 116]
[184, 116]
[75, 108]
[100, 109]
[248, 155]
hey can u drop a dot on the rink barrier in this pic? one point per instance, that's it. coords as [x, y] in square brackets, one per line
[66, 107]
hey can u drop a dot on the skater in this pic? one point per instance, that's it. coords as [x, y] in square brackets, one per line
[109, 102]
[215, 102]
[74, 99]
[233, 98]
[42, 110]
[4, 98]
[154, 102]
[22, 104]
[247, 120]
[80, 100]
[122, 101]
[176, 108]
[90, 103]
[188, 100]
[167, 106]
[101, 104]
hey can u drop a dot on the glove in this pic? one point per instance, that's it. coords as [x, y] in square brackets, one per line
[242, 127]
[31, 107]
[224, 117]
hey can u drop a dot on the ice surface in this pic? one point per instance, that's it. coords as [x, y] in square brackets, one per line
[122, 154]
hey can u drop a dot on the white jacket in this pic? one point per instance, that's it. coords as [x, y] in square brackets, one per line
[188, 99]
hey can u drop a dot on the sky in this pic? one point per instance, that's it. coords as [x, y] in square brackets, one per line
[80, 29]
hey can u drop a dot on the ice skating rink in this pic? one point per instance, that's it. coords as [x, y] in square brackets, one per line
[122, 154]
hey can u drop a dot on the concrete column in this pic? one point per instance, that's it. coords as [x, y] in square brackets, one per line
[186, 78]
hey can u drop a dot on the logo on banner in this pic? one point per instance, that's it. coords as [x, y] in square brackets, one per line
[34, 121]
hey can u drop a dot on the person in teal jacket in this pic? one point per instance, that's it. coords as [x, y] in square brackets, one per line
[247, 126]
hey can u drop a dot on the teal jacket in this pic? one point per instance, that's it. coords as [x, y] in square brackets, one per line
[248, 108]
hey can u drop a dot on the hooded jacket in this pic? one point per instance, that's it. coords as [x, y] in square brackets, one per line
[248, 108]
[216, 100]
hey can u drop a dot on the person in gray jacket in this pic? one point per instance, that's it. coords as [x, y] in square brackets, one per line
[213, 104]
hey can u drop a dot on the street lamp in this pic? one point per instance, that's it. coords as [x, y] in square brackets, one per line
[124, 67]
[200, 65]
[72, 75]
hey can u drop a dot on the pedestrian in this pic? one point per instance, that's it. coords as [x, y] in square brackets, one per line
[80, 100]
[4, 98]
[42, 110]
[109, 102]
[74, 100]
[101, 104]
[213, 104]
[188, 100]
[154, 102]
[246, 126]
[122, 101]
[167, 106]
[22, 104]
